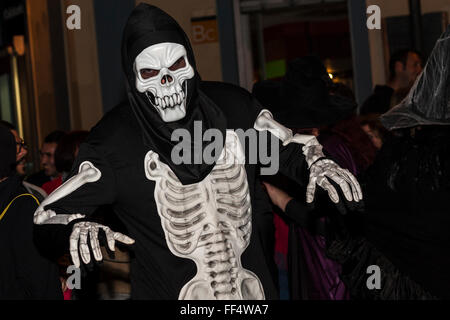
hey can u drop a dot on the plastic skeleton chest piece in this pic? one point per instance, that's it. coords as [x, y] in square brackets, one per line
[210, 223]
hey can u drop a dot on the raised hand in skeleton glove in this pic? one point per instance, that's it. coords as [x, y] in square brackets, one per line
[79, 241]
[323, 171]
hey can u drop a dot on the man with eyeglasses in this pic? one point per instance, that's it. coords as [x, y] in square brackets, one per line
[21, 152]
[25, 274]
[20, 145]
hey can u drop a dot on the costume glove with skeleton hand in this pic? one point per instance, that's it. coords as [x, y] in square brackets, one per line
[322, 170]
[79, 241]
[83, 230]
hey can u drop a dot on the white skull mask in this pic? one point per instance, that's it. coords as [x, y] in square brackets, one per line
[162, 70]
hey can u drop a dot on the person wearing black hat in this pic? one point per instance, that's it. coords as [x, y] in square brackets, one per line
[302, 98]
[306, 99]
[24, 273]
[195, 227]
[407, 189]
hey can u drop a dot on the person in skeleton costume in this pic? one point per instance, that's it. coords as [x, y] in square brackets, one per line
[196, 230]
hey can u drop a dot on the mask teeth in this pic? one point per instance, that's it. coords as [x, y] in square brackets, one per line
[150, 99]
[183, 91]
[169, 101]
[175, 99]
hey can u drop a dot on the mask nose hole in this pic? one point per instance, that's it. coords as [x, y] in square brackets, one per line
[166, 79]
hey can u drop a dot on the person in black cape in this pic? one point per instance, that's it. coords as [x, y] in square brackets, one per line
[24, 273]
[405, 230]
[197, 228]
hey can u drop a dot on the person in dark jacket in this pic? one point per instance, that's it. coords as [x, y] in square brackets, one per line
[22, 151]
[404, 66]
[24, 273]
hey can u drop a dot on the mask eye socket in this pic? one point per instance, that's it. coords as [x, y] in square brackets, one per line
[148, 73]
[180, 63]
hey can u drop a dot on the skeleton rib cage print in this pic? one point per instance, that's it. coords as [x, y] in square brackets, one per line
[210, 223]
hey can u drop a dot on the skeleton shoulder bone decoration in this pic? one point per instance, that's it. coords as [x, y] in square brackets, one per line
[320, 168]
[87, 173]
[210, 223]
[162, 70]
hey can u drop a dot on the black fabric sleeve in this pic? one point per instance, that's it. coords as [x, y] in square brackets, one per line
[53, 239]
[293, 163]
[290, 159]
[89, 197]
[300, 213]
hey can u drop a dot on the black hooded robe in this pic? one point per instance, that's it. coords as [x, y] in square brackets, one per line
[117, 146]
[24, 273]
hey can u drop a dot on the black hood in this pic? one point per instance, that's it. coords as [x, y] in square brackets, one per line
[146, 26]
